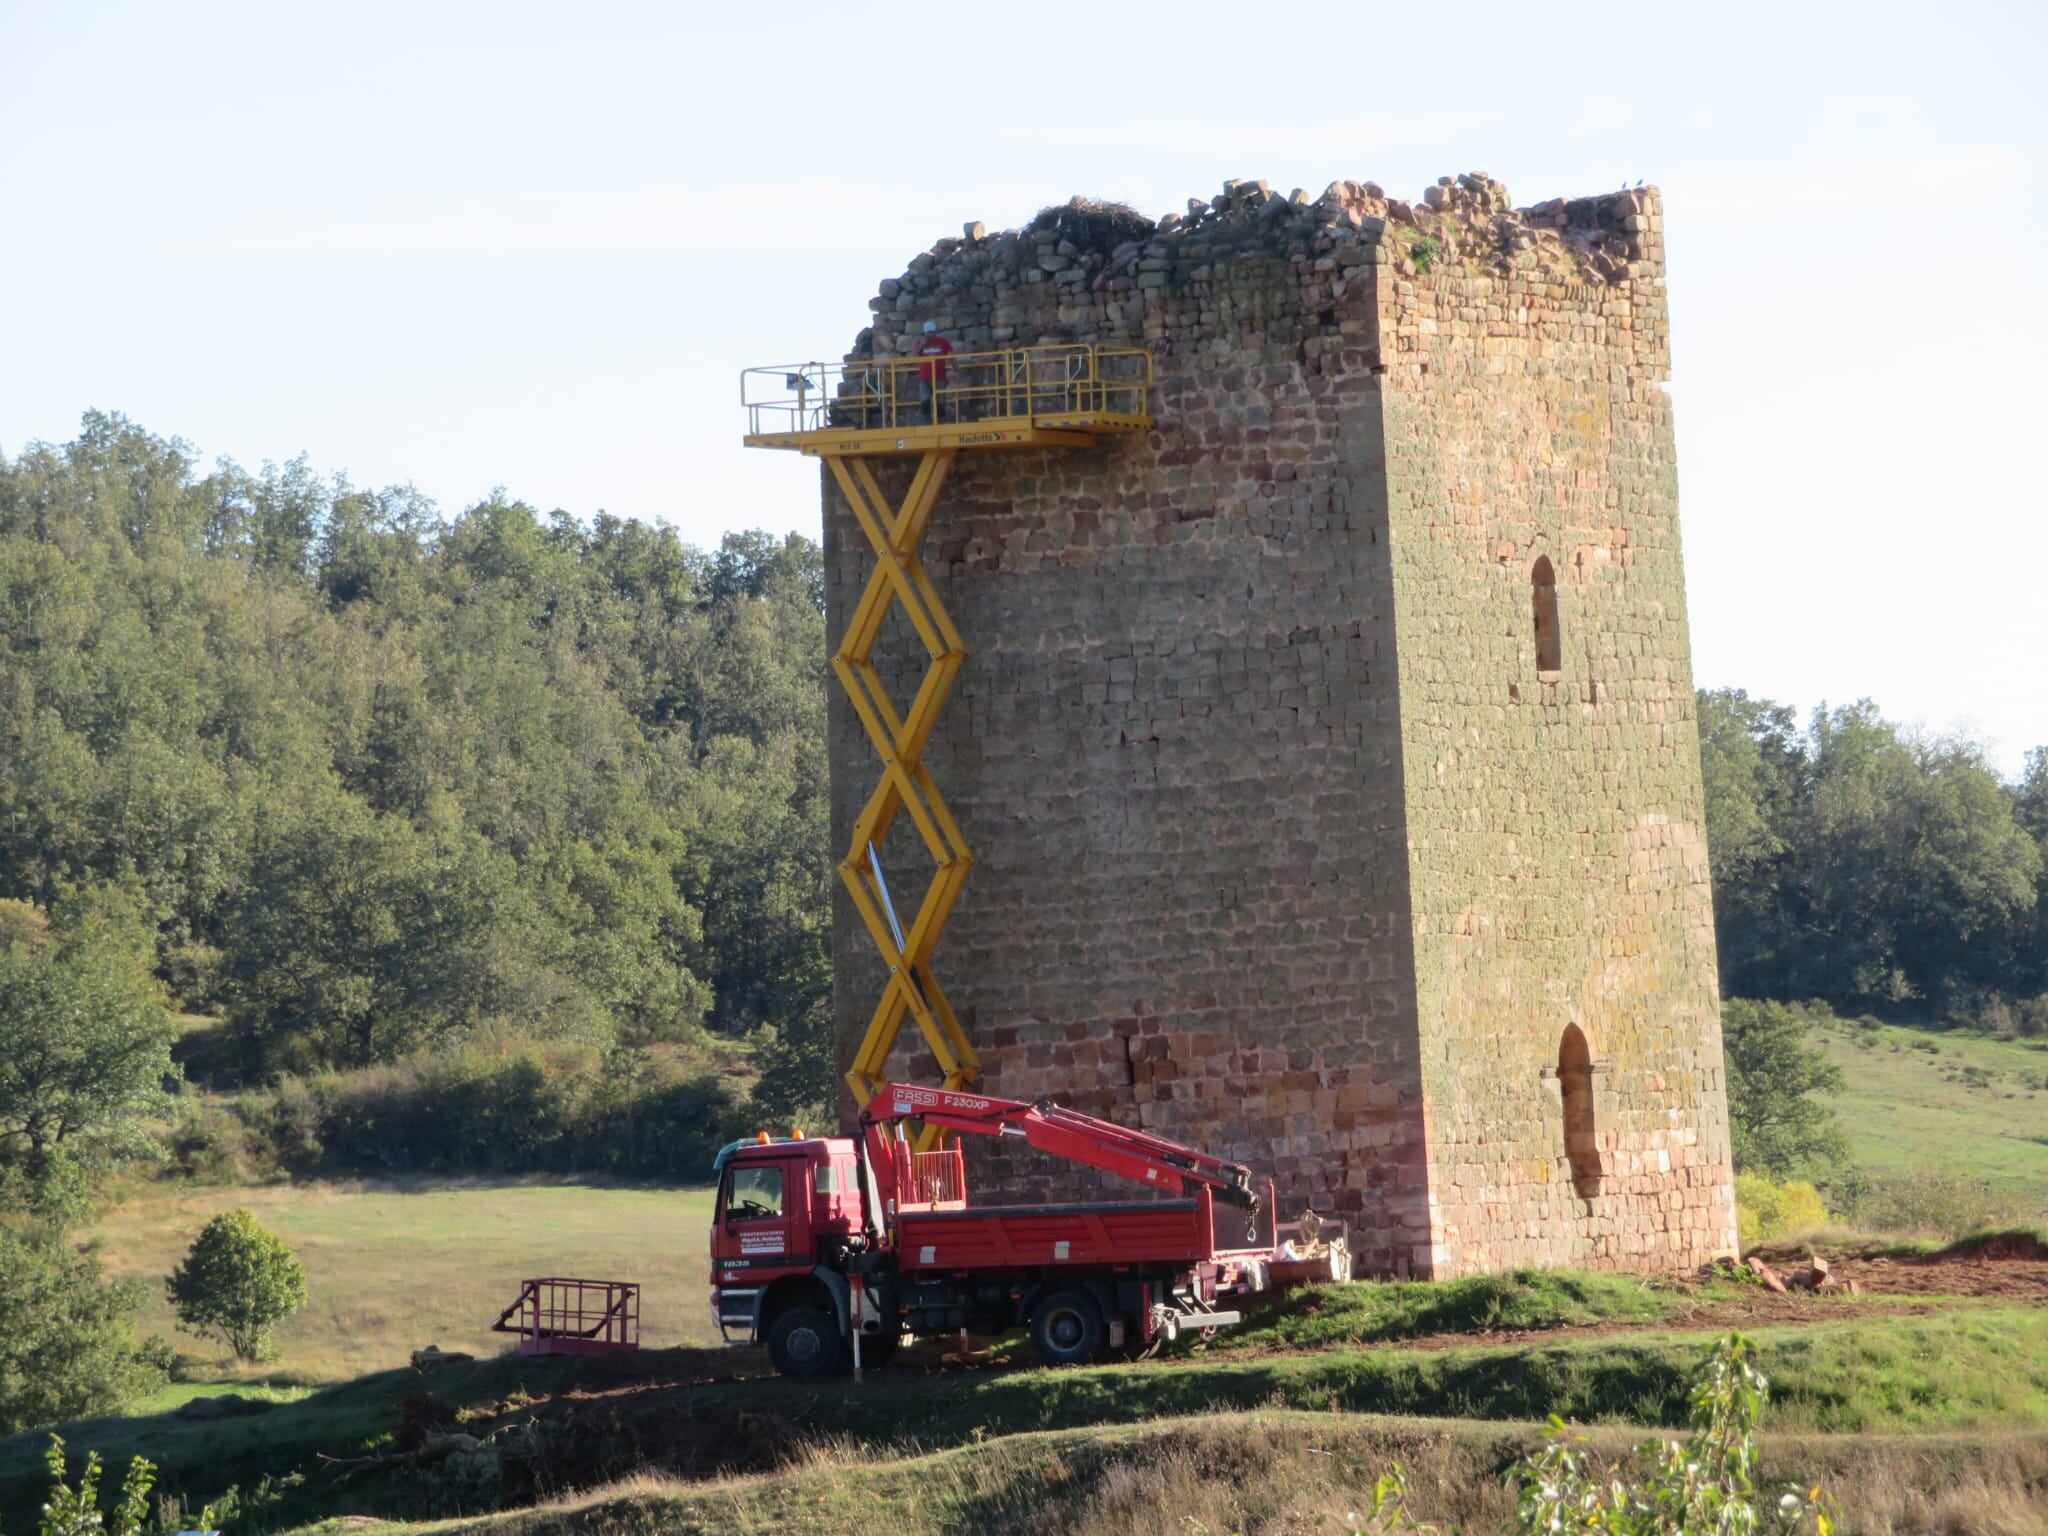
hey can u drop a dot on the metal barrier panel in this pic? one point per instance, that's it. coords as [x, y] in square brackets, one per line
[562, 1315]
[938, 1178]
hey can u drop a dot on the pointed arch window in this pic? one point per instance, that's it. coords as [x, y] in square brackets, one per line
[1549, 641]
[1581, 1142]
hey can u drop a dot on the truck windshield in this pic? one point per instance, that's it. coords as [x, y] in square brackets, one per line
[754, 1193]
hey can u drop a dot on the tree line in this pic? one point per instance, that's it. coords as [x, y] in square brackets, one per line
[362, 779]
[1874, 867]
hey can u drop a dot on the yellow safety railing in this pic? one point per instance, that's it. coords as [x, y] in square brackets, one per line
[1055, 385]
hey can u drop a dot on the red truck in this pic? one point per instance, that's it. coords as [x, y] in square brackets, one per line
[832, 1250]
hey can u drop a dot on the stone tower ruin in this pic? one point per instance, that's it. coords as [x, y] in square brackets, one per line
[1329, 754]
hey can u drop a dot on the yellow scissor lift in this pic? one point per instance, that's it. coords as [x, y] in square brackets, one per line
[849, 415]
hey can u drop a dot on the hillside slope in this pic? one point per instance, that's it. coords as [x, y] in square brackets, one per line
[1924, 1101]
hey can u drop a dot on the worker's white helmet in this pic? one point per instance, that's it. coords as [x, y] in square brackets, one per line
[930, 326]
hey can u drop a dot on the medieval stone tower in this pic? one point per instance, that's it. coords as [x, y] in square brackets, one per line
[1329, 754]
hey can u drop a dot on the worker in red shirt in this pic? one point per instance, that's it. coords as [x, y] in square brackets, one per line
[931, 373]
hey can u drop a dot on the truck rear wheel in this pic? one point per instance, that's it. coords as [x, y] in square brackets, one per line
[1066, 1328]
[805, 1342]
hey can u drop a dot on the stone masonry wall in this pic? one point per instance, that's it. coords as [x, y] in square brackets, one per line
[1202, 777]
[1557, 843]
[1174, 745]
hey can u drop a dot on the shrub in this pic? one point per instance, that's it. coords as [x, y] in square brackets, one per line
[1681, 1488]
[233, 1510]
[667, 1127]
[1934, 1203]
[208, 1142]
[76, 1511]
[239, 1281]
[2030, 1019]
[479, 1110]
[285, 1123]
[1997, 1016]
[510, 1107]
[1767, 1208]
[65, 1349]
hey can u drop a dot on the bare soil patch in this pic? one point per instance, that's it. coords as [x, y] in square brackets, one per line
[2002, 1279]
[2001, 1266]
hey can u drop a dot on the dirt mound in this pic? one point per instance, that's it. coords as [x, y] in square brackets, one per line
[658, 1411]
[2018, 1244]
[664, 1367]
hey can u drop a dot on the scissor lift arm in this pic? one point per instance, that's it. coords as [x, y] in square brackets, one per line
[1062, 1132]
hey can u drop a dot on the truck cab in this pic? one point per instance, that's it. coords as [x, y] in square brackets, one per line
[786, 1220]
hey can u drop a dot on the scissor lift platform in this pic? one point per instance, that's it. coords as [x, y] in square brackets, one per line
[1057, 396]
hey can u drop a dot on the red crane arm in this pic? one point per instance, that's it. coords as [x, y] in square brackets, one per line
[1068, 1133]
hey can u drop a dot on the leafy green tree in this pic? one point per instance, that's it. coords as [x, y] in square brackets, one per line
[2030, 805]
[1750, 762]
[239, 1281]
[1915, 878]
[85, 1053]
[359, 937]
[23, 925]
[799, 1079]
[1774, 1121]
[65, 1347]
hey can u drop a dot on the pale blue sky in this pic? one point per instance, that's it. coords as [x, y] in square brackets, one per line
[471, 245]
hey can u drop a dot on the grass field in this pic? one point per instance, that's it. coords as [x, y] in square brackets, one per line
[1921, 1099]
[392, 1269]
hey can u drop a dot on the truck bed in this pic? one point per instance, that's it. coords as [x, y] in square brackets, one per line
[1001, 1236]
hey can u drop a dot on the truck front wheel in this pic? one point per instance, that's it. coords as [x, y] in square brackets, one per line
[805, 1342]
[1066, 1328]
